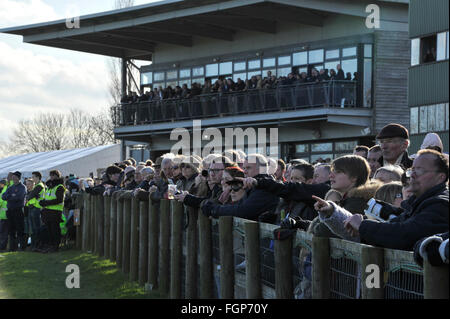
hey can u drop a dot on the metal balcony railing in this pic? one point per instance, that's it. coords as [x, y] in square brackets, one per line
[283, 98]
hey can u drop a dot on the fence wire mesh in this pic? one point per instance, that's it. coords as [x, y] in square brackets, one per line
[302, 270]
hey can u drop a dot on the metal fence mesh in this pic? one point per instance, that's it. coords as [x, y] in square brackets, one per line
[302, 266]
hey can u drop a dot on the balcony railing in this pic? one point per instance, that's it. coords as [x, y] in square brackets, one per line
[283, 98]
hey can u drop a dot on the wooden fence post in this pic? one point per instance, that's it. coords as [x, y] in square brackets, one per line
[113, 230]
[100, 224]
[134, 239]
[143, 242]
[153, 244]
[226, 257]
[126, 236]
[119, 240]
[164, 247]
[372, 256]
[85, 223]
[107, 223]
[92, 224]
[320, 268]
[205, 253]
[176, 243]
[252, 267]
[191, 254]
[435, 281]
[79, 229]
[283, 269]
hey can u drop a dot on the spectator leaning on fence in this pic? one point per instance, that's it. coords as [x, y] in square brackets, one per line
[15, 197]
[434, 249]
[423, 214]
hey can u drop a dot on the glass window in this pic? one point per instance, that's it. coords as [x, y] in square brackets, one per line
[431, 118]
[322, 147]
[441, 46]
[146, 78]
[239, 66]
[283, 60]
[345, 146]
[300, 58]
[171, 75]
[268, 62]
[185, 81]
[173, 84]
[283, 71]
[242, 76]
[273, 71]
[198, 80]
[159, 84]
[428, 48]
[440, 117]
[349, 51]
[367, 50]
[332, 54]
[315, 56]
[158, 76]
[321, 157]
[367, 82]
[349, 66]
[423, 119]
[185, 73]
[212, 69]
[331, 65]
[226, 68]
[446, 116]
[302, 148]
[250, 74]
[415, 51]
[254, 64]
[198, 71]
[300, 70]
[414, 120]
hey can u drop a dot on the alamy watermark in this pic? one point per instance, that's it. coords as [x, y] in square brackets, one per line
[373, 19]
[74, 12]
[73, 279]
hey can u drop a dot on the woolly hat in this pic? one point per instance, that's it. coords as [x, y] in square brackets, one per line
[432, 139]
[393, 130]
[18, 174]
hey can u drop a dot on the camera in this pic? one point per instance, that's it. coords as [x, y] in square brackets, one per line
[380, 210]
[204, 173]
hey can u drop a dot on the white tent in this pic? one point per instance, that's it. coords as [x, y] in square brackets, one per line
[80, 161]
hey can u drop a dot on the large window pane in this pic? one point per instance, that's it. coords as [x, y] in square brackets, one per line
[431, 118]
[212, 69]
[345, 146]
[269, 62]
[332, 54]
[321, 158]
[226, 68]
[239, 66]
[446, 116]
[331, 65]
[349, 66]
[300, 58]
[283, 71]
[414, 120]
[367, 82]
[315, 56]
[185, 81]
[301, 70]
[242, 76]
[158, 76]
[250, 74]
[284, 60]
[322, 147]
[423, 119]
[440, 117]
[185, 73]
[367, 50]
[198, 80]
[349, 51]
[265, 72]
[254, 64]
[146, 78]
[441, 46]
[171, 75]
[415, 51]
[198, 71]
[173, 84]
[301, 148]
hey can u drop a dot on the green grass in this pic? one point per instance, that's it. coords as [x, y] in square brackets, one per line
[31, 275]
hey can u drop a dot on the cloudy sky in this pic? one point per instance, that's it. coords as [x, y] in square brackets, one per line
[36, 79]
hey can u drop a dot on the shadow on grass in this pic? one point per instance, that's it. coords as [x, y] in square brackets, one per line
[33, 275]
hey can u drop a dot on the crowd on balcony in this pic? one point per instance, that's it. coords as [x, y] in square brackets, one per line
[378, 196]
[226, 85]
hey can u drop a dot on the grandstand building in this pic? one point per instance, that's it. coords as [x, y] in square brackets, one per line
[187, 42]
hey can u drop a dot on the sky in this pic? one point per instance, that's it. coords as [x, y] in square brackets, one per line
[36, 79]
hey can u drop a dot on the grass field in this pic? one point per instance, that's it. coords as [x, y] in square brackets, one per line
[35, 275]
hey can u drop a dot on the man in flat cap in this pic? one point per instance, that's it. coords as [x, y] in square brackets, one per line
[15, 197]
[394, 142]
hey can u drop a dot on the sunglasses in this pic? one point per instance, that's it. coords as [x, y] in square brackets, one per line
[175, 167]
[236, 188]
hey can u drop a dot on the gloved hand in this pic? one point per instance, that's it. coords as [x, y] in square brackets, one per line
[207, 209]
[428, 249]
[294, 223]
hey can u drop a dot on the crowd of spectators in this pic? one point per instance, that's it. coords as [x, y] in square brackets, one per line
[399, 205]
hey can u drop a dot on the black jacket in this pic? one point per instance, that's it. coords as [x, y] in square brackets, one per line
[422, 217]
